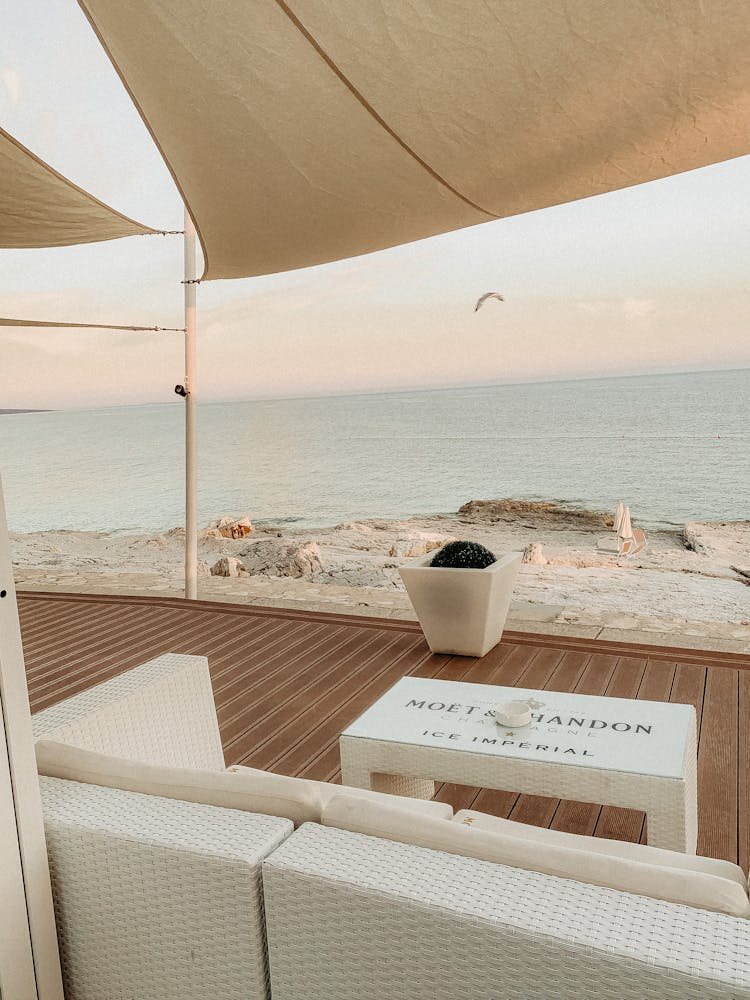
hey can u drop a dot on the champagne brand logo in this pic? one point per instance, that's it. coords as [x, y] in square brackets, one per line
[548, 719]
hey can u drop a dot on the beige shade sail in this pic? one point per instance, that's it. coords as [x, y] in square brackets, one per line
[88, 326]
[313, 130]
[41, 208]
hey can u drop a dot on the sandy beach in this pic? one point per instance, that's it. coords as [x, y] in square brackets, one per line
[692, 584]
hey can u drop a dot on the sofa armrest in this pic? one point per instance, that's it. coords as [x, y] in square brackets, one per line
[156, 897]
[161, 712]
[355, 916]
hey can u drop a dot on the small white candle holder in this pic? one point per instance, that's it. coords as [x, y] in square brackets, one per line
[513, 714]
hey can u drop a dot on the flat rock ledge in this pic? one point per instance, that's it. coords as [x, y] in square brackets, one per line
[546, 515]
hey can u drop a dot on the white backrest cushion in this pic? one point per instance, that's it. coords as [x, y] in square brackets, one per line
[246, 788]
[325, 791]
[229, 789]
[690, 888]
[615, 848]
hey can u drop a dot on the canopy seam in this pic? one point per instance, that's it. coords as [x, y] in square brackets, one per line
[359, 96]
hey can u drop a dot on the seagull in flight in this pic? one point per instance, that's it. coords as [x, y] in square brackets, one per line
[487, 295]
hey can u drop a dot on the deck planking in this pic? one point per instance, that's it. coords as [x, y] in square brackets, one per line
[287, 682]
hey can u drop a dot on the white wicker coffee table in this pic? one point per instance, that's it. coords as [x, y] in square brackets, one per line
[611, 751]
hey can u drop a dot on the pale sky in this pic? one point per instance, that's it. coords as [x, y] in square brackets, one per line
[653, 278]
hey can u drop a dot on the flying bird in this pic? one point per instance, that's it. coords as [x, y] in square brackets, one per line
[487, 295]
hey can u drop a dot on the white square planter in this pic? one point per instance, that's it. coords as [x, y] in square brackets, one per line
[461, 611]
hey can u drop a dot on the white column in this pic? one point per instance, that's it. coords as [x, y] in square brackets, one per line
[191, 446]
[29, 961]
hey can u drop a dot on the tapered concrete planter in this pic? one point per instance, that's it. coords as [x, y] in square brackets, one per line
[461, 611]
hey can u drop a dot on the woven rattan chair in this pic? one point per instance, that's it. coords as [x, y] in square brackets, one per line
[154, 898]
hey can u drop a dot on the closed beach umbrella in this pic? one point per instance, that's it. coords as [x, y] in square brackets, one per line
[618, 516]
[626, 528]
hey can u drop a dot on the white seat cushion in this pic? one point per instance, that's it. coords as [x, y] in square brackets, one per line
[704, 890]
[242, 788]
[616, 848]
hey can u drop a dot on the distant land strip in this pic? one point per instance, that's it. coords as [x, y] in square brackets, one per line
[24, 411]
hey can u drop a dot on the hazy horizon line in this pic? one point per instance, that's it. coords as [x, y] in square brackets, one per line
[562, 379]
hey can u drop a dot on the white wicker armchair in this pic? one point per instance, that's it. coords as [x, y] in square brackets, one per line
[154, 898]
[350, 916]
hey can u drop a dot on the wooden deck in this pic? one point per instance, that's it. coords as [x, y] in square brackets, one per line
[287, 682]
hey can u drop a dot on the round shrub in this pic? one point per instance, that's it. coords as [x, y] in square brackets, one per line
[463, 555]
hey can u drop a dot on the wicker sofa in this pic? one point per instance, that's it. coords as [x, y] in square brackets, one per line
[158, 898]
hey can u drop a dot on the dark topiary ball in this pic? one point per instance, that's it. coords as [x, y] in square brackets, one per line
[463, 555]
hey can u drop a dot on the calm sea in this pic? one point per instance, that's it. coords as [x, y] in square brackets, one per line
[675, 447]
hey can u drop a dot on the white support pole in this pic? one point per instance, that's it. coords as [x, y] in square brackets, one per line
[191, 463]
[29, 960]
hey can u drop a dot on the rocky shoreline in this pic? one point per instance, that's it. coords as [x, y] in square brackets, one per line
[694, 577]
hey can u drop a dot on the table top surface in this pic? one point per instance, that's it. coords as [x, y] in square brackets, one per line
[613, 734]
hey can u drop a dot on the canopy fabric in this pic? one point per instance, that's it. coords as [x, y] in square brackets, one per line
[41, 208]
[311, 130]
[89, 326]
